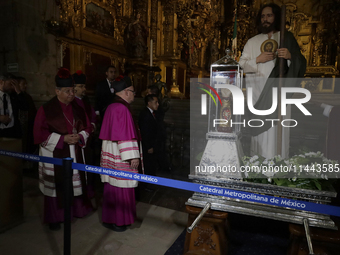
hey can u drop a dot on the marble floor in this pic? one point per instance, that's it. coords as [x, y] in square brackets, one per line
[154, 231]
[161, 218]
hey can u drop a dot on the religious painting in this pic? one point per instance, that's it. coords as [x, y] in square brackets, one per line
[99, 19]
[269, 45]
[135, 38]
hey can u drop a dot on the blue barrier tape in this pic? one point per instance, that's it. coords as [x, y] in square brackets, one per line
[31, 157]
[212, 190]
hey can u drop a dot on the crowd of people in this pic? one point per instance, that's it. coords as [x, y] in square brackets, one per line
[17, 110]
[65, 127]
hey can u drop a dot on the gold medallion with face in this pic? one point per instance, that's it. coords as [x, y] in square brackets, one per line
[269, 45]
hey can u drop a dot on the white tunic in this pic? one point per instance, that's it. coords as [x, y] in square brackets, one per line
[115, 155]
[256, 76]
[46, 170]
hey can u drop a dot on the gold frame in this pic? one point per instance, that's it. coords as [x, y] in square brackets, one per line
[267, 42]
[110, 10]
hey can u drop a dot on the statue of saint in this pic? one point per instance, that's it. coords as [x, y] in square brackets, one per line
[135, 36]
[163, 95]
[211, 55]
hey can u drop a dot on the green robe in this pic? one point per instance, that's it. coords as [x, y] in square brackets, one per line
[296, 69]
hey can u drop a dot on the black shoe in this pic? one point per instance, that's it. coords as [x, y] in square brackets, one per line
[114, 227]
[54, 226]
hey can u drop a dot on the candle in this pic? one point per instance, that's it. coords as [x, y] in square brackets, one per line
[151, 44]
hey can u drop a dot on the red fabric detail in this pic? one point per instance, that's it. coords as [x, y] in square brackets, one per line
[119, 78]
[63, 73]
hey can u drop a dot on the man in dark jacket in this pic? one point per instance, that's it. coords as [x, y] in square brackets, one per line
[148, 125]
[11, 101]
[104, 91]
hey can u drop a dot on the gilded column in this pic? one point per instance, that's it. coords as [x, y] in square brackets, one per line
[168, 10]
[153, 23]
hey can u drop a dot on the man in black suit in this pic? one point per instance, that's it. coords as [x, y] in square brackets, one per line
[11, 101]
[149, 127]
[104, 92]
[162, 158]
[153, 89]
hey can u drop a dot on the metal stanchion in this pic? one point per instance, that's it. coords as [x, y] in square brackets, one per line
[309, 239]
[68, 173]
[199, 217]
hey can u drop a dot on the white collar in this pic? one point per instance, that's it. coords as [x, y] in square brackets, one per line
[125, 100]
[2, 93]
[274, 34]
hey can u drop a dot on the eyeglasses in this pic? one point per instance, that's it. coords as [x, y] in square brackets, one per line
[132, 91]
[68, 91]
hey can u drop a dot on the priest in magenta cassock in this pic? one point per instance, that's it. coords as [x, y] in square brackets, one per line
[79, 79]
[259, 65]
[61, 128]
[120, 151]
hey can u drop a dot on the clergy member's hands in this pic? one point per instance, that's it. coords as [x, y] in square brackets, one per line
[71, 138]
[265, 57]
[5, 119]
[134, 163]
[284, 53]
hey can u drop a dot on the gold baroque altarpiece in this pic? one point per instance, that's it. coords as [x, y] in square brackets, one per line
[187, 36]
[314, 25]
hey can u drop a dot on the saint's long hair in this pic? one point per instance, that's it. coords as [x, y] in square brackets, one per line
[277, 16]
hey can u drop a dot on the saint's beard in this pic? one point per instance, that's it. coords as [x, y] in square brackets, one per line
[267, 29]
